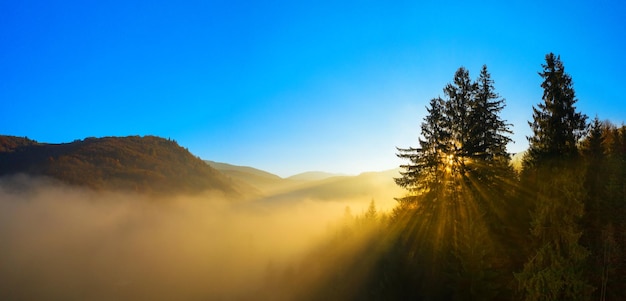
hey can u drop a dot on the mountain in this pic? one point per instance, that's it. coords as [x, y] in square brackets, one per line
[378, 186]
[265, 182]
[155, 165]
[241, 170]
[318, 186]
[146, 164]
[313, 176]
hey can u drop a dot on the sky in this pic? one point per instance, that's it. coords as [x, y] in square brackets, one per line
[291, 86]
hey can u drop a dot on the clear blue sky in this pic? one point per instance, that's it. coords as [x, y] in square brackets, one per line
[290, 86]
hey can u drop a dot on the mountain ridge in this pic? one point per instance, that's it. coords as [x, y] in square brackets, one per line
[313, 176]
[147, 164]
[155, 165]
[317, 185]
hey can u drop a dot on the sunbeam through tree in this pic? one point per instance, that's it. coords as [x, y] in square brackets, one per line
[457, 182]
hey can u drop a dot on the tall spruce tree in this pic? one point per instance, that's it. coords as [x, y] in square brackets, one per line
[488, 131]
[488, 138]
[450, 185]
[460, 134]
[556, 125]
[553, 175]
[463, 138]
[424, 172]
[458, 108]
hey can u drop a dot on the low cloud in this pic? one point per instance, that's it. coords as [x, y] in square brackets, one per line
[66, 243]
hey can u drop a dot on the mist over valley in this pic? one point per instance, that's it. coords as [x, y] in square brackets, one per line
[75, 226]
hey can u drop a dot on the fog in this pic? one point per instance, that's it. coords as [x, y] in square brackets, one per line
[66, 243]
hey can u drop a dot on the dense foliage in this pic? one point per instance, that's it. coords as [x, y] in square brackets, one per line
[470, 229]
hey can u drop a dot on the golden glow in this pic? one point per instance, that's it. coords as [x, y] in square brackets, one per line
[217, 248]
[453, 219]
[449, 163]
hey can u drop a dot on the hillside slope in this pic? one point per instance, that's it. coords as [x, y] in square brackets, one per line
[236, 169]
[265, 182]
[313, 176]
[363, 188]
[144, 164]
[318, 186]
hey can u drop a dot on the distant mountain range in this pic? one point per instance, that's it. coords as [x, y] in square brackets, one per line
[317, 186]
[262, 180]
[314, 176]
[155, 165]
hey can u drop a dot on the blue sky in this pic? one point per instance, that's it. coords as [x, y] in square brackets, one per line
[291, 86]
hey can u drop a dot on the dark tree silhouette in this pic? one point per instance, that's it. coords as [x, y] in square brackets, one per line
[455, 182]
[556, 125]
[553, 175]
[424, 172]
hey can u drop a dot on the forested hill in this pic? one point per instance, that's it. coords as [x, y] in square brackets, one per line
[146, 164]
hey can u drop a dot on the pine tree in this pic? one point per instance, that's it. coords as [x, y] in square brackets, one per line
[461, 134]
[556, 125]
[595, 179]
[423, 174]
[452, 182]
[613, 286]
[554, 268]
[371, 214]
[487, 149]
[458, 108]
[488, 130]
[601, 221]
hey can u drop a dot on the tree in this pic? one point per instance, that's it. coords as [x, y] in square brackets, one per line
[556, 125]
[594, 220]
[371, 214]
[463, 142]
[424, 172]
[488, 131]
[459, 108]
[462, 136]
[554, 176]
[452, 179]
[612, 251]
[553, 270]
[488, 139]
